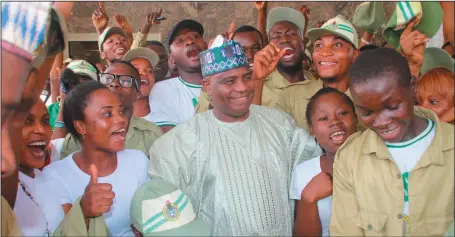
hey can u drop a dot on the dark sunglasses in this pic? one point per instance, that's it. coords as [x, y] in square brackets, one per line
[124, 80]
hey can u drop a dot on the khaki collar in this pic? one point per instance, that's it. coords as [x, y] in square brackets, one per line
[280, 82]
[442, 142]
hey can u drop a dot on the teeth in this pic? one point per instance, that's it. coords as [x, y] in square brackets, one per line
[337, 134]
[327, 63]
[120, 49]
[144, 82]
[121, 130]
[38, 143]
[289, 48]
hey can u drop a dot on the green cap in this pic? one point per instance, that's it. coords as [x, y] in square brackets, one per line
[159, 208]
[435, 57]
[279, 14]
[406, 12]
[141, 52]
[338, 26]
[369, 16]
[108, 32]
[84, 68]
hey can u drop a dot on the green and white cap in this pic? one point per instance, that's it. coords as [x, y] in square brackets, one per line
[82, 67]
[159, 208]
[405, 12]
[279, 14]
[369, 16]
[435, 57]
[338, 26]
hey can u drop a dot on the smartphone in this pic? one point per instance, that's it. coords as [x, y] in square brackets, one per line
[161, 18]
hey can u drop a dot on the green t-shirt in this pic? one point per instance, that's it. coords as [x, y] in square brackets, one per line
[53, 113]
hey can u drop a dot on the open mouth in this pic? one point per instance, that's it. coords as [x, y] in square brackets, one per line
[390, 133]
[119, 134]
[326, 63]
[38, 148]
[289, 52]
[120, 50]
[144, 82]
[193, 53]
[338, 136]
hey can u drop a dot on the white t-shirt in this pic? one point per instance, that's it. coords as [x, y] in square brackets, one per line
[173, 101]
[68, 182]
[407, 154]
[301, 176]
[30, 216]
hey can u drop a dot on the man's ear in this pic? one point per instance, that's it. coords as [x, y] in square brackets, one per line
[206, 86]
[102, 55]
[355, 54]
[310, 129]
[171, 59]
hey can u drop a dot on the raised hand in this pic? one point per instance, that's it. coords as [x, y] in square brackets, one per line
[154, 16]
[305, 12]
[413, 42]
[98, 197]
[123, 23]
[100, 18]
[227, 35]
[266, 61]
[318, 188]
[260, 5]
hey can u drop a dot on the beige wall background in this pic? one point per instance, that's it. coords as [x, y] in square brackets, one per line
[214, 16]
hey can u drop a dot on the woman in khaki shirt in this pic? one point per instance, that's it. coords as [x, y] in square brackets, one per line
[397, 177]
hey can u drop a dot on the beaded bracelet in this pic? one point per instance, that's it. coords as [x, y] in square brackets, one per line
[59, 124]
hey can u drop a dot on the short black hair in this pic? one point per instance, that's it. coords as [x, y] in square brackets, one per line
[76, 102]
[69, 79]
[368, 47]
[374, 63]
[248, 28]
[138, 80]
[154, 42]
[324, 91]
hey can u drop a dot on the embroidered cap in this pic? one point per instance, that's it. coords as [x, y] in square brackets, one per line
[84, 68]
[405, 12]
[159, 208]
[141, 52]
[369, 16]
[338, 26]
[279, 14]
[436, 57]
[108, 32]
[223, 55]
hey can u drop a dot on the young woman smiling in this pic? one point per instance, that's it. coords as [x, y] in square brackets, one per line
[331, 118]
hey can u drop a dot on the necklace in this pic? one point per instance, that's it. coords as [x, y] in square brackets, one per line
[48, 232]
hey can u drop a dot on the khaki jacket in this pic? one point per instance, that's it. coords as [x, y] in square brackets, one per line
[368, 192]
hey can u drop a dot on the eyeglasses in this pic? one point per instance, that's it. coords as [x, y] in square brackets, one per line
[124, 80]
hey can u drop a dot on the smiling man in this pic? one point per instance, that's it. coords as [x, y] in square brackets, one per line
[234, 161]
[285, 32]
[113, 44]
[335, 49]
[173, 101]
[398, 175]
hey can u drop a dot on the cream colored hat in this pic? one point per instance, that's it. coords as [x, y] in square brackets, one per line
[338, 26]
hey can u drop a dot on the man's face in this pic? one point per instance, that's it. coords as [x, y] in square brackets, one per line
[231, 92]
[251, 43]
[162, 67]
[385, 106]
[147, 77]
[286, 36]
[185, 50]
[114, 47]
[333, 56]
[127, 95]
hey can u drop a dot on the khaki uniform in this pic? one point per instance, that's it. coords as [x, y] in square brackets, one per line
[295, 99]
[368, 191]
[141, 135]
[9, 222]
[274, 85]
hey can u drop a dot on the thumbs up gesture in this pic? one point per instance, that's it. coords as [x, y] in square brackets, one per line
[98, 197]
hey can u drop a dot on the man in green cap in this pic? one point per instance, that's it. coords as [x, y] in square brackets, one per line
[113, 44]
[234, 161]
[285, 32]
[335, 49]
[160, 208]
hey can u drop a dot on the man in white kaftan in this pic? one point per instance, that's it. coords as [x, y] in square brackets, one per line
[237, 173]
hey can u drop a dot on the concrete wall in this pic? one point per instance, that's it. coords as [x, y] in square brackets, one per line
[214, 16]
